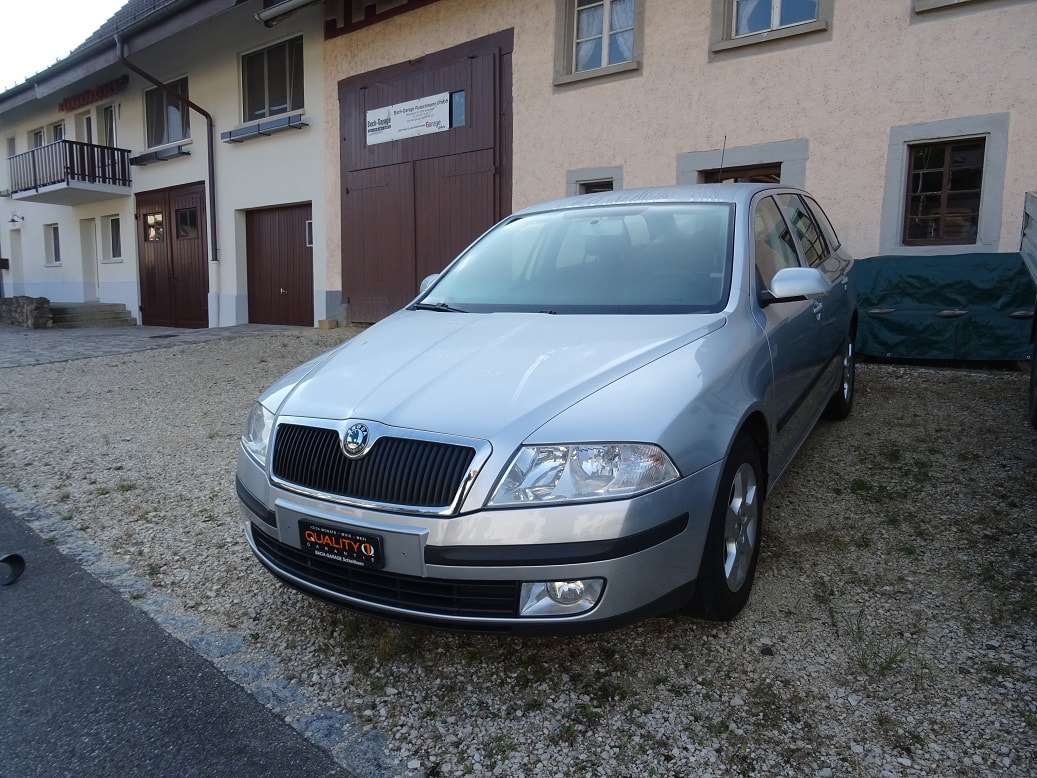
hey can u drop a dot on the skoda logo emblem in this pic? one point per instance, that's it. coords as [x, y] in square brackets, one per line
[354, 442]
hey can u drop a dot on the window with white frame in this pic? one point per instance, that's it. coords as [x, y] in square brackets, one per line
[52, 244]
[107, 116]
[57, 132]
[272, 80]
[597, 37]
[166, 118]
[737, 23]
[603, 33]
[753, 16]
[111, 248]
[37, 138]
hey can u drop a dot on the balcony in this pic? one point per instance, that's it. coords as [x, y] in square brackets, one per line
[70, 173]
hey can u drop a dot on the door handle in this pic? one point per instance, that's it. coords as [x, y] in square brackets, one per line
[284, 291]
[817, 309]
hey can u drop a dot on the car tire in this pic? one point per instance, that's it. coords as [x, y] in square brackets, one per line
[841, 403]
[732, 545]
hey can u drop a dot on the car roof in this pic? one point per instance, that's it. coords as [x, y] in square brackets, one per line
[694, 193]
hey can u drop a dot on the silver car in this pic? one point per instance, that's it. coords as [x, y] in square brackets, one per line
[574, 426]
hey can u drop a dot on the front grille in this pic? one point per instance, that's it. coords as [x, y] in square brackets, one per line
[396, 471]
[489, 599]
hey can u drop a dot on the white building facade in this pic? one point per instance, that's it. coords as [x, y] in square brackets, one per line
[169, 161]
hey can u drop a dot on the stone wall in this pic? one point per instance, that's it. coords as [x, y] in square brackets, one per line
[22, 311]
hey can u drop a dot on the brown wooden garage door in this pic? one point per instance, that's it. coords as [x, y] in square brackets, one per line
[410, 205]
[280, 266]
[172, 257]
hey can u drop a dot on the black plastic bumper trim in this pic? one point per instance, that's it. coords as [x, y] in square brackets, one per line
[254, 504]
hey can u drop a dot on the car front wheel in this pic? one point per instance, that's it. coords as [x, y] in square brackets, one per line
[733, 540]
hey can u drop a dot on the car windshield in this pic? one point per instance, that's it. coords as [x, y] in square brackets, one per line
[645, 258]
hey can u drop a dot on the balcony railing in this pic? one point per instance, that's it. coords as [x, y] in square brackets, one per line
[73, 165]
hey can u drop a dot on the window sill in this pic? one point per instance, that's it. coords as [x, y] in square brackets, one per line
[608, 70]
[163, 154]
[264, 127]
[821, 25]
[921, 6]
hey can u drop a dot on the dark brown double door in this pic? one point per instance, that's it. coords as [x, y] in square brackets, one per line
[280, 265]
[172, 257]
[411, 205]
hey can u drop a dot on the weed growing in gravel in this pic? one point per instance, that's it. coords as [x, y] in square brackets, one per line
[876, 652]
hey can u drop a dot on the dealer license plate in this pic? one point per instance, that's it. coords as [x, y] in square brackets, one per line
[359, 549]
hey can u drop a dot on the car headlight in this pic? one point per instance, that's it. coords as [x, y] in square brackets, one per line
[583, 471]
[258, 428]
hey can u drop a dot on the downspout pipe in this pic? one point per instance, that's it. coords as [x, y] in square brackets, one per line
[210, 133]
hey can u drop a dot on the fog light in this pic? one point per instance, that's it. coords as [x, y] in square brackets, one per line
[565, 592]
[560, 598]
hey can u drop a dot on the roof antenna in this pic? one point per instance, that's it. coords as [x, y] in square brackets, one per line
[720, 174]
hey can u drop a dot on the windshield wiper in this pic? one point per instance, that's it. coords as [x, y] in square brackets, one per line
[443, 307]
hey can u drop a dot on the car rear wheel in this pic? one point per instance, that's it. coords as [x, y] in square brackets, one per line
[1033, 385]
[841, 403]
[733, 540]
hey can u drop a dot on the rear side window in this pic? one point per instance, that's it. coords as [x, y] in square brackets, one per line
[773, 245]
[815, 250]
[823, 223]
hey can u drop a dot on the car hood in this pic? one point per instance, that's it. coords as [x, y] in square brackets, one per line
[475, 374]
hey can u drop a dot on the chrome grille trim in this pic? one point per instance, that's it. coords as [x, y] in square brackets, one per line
[404, 471]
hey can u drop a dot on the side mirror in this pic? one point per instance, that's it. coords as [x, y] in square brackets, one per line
[795, 283]
[426, 282]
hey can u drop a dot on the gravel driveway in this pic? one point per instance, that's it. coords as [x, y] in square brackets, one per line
[892, 631]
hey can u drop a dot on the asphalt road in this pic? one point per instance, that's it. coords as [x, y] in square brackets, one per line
[90, 686]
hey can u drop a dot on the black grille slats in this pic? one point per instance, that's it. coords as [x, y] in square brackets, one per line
[396, 471]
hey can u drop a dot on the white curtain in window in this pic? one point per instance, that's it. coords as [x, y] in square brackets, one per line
[749, 14]
[621, 45]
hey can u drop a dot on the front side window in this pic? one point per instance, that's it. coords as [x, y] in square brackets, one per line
[773, 246]
[166, 117]
[272, 81]
[57, 132]
[944, 184]
[753, 16]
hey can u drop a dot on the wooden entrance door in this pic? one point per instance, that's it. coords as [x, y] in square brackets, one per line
[280, 266]
[172, 257]
[410, 205]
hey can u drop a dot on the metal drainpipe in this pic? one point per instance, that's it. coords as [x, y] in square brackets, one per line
[210, 131]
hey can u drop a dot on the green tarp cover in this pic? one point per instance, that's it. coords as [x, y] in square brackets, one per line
[950, 307]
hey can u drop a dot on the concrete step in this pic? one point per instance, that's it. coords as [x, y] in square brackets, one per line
[76, 315]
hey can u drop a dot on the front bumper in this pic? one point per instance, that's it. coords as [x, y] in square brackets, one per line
[466, 572]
